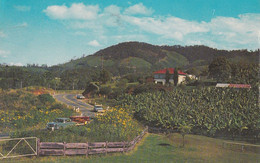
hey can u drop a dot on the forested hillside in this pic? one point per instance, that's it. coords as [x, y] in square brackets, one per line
[136, 56]
[140, 59]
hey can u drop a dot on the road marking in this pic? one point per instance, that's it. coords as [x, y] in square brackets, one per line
[64, 96]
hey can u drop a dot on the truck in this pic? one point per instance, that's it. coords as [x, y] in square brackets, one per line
[80, 120]
[61, 123]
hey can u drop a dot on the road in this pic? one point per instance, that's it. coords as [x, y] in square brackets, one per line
[70, 99]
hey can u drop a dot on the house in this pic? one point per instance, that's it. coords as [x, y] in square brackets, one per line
[159, 76]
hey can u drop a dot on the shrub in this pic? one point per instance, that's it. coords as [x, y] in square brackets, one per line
[44, 98]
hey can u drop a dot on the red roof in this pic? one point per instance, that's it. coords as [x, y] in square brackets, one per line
[171, 70]
[240, 85]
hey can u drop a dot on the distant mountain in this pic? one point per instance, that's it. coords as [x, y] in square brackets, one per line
[142, 57]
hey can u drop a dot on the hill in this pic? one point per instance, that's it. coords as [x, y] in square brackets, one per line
[142, 57]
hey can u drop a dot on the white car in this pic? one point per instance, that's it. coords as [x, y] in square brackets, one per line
[98, 108]
[80, 97]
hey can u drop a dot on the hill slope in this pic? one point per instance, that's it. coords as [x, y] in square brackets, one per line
[136, 56]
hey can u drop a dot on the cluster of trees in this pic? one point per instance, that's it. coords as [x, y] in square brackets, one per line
[19, 77]
[222, 70]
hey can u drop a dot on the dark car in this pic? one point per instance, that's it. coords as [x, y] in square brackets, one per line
[59, 123]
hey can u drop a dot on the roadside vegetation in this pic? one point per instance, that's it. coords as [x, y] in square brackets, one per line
[23, 110]
[114, 125]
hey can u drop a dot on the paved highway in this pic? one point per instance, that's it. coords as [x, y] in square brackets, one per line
[70, 99]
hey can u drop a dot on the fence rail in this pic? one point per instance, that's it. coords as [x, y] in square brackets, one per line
[88, 148]
[241, 147]
[18, 147]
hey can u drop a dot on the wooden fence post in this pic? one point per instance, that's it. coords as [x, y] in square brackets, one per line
[38, 147]
[64, 148]
[87, 150]
[106, 146]
[124, 147]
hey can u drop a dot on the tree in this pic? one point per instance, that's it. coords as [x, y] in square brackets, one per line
[175, 76]
[105, 90]
[245, 73]
[194, 71]
[167, 77]
[184, 129]
[220, 69]
[122, 83]
[91, 90]
[105, 76]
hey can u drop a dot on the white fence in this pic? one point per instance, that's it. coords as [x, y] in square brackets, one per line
[18, 147]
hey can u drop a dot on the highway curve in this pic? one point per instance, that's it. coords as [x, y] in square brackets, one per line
[70, 99]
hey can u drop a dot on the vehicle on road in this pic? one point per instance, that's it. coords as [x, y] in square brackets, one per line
[60, 123]
[80, 120]
[98, 108]
[79, 96]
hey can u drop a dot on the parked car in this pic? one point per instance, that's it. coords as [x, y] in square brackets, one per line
[60, 123]
[98, 108]
[80, 96]
[81, 120]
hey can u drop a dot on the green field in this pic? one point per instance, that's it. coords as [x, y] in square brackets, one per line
[164, 149]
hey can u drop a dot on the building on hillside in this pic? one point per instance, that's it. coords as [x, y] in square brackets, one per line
[159, 76]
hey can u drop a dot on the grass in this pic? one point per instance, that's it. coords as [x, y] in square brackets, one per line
[164, 149]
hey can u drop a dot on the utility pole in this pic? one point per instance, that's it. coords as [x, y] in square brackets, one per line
[102, 62]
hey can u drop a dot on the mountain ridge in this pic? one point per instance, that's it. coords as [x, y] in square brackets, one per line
[150, 57]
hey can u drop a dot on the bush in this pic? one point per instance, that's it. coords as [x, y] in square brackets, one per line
[44, 98]
[113, 125]
[105, 90]
[26, 110]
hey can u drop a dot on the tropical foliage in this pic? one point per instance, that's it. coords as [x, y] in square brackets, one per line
[209, 111]
[20, 109]
[114, 125]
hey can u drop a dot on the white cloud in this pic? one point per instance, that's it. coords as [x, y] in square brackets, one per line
[112, 9]
[4, 53]
[94, 43]
[24, 24]
[241, 30]
[80, 33]
[170, 27]
[2, 34]
[75, 11]
[219, 32]
[15, 64]
[22, 8]
[138, 9]
[112, 16]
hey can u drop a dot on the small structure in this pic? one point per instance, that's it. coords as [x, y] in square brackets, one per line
[159, 76]
[225, 85]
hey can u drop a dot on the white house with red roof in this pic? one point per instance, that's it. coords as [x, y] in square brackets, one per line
[159, 76]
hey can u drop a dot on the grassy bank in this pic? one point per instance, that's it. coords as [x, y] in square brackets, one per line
[161, 148]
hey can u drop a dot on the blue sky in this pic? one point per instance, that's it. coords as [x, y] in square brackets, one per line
[55, 31]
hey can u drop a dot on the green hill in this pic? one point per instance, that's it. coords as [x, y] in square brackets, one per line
[132, 56]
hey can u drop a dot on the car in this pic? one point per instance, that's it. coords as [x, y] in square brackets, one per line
[80, 96]
[60, 123]
[98, 108]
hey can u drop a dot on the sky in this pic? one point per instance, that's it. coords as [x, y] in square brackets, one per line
[55, 31]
